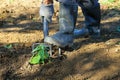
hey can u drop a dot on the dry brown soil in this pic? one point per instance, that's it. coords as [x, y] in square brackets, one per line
[90, 59]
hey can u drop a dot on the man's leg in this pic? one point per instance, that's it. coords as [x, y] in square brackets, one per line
[67, 22]
[91, 11]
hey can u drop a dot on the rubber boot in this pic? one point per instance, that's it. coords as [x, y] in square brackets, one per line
[81, 32]
[92, 20]
[92, 13]
[64, 37]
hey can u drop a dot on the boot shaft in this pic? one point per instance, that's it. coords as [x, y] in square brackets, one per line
[67, 17]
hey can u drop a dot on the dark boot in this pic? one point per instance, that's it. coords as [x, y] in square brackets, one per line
[92, 15]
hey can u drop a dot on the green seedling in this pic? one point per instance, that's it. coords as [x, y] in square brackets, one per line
[40, 54]
[118, 43]
[34, 19]
[107, 1]
[111, 1]
[11, 1]
[8, 46]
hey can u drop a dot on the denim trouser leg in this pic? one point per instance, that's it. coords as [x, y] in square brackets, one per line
[67, 17]
[92, 14]
[92, 18]
[47, 11]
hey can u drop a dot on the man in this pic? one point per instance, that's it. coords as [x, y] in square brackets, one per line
[67, 20]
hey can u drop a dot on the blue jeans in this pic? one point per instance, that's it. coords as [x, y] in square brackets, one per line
[67, 17]
[47, 11]
[92, 13]
[68, 14]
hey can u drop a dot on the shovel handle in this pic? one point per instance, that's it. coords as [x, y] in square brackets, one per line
[45, 27]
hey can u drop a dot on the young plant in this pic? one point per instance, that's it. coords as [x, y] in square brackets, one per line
[40, 54]
[8, 46]
[11, 1]
[111, 1]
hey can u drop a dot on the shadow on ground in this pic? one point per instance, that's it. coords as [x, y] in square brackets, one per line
[88, 60]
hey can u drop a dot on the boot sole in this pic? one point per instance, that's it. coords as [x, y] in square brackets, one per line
[56, 43]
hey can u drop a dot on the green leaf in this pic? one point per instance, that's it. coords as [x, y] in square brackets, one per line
[111, 1]
[35, 59]
[118, 43]
[46, 55]
[8, 46]
[11, 1]
[40, 54]
[38, 48]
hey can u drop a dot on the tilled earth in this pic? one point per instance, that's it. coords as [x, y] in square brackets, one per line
[89, 59]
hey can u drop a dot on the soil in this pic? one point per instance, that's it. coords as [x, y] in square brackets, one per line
[89, 59]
